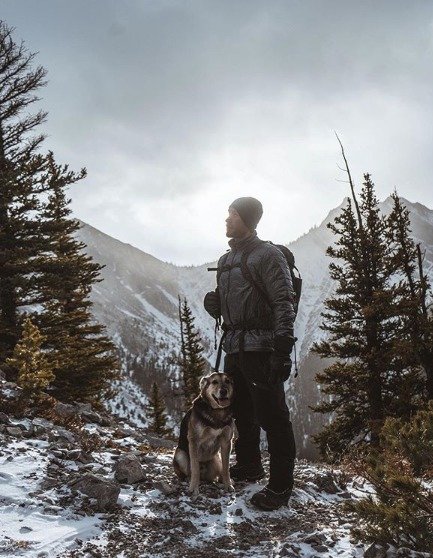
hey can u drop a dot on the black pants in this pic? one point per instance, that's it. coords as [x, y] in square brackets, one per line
[259, 403]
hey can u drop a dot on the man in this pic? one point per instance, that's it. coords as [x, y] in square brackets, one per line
[255, 297]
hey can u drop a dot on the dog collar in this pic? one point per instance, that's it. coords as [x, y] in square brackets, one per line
[201, 407]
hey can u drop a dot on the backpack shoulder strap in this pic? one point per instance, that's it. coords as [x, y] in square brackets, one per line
[221, 264]
[246, 272]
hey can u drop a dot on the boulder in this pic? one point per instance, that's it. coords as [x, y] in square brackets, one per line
[128, 469]
[14, 431]
[106, 492]
[65, 410]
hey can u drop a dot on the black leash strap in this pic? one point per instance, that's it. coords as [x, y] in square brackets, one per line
[220, 350]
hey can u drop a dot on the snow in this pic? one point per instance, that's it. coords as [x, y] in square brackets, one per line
[156, 516]
[163, 320]
[25, 528]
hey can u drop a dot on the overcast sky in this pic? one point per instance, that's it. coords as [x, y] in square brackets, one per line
[176, 108]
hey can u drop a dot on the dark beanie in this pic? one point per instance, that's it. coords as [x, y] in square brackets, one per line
[250, 211]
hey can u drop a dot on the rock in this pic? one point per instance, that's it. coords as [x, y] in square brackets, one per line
[408, 553]
[49, 482]
[14, 431]
[4, 419]
[85, 458]
[83, 407]
[375, 551]
[63, 436]
[128, 469]
[41, 426]
[315, 539]
[65, 410]
[155, 442]
[106, 492]
[165, 488]
[239, 512]
[216, 509]
[59, 454]
[325, 481]
[91, 416]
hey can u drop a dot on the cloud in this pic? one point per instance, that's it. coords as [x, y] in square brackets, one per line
[178, 107]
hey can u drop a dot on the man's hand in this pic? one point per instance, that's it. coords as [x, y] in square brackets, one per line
[281, 366]
[212, 304]
[281, 363]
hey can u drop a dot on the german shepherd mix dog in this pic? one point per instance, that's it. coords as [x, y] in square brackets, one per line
[206, 433]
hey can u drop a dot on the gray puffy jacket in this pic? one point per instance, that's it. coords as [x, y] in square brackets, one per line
[269, 323]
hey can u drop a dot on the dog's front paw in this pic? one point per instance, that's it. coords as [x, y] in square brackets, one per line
[193, 490]
[228, 487]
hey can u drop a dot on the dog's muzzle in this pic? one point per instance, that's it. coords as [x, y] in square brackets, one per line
[223, 399]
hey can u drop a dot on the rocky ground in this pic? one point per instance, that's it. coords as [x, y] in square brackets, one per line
[99, 488]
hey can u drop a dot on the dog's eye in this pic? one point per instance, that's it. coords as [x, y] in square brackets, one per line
[215, 382]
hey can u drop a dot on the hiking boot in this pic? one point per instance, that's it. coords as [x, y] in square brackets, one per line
[268, 500]
[251, 472]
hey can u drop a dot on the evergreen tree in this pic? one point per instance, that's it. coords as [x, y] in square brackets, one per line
[34, 369]
[401, 512]
[369, 379]
[415, 294]
[20, 183]
[40, 261]
[193, 365]
[86, 364]
[157, 412]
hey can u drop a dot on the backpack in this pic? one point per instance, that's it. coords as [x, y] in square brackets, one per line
[290, 259]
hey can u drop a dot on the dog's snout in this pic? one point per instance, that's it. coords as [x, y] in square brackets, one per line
[223, 392]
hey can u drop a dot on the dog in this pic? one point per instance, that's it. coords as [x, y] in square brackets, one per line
[206, 433]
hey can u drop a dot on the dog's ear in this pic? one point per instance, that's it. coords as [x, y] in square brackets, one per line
[204, 380]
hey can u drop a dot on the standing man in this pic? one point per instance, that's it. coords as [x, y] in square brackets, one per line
[255, 298]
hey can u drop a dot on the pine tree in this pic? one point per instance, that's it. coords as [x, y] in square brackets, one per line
[86, 364]
[34, 369]
[415, 294]
[20, 184]
[41, 263]
[369, 379]
[401, 512]
[193, 365]
[157, 412]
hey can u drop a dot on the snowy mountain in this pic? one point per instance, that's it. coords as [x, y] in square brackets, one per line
[137, 301]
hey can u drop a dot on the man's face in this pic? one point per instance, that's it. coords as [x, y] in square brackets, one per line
[235, 227]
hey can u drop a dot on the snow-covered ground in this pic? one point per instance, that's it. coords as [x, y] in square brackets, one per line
[41, 517]
[33, 524]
